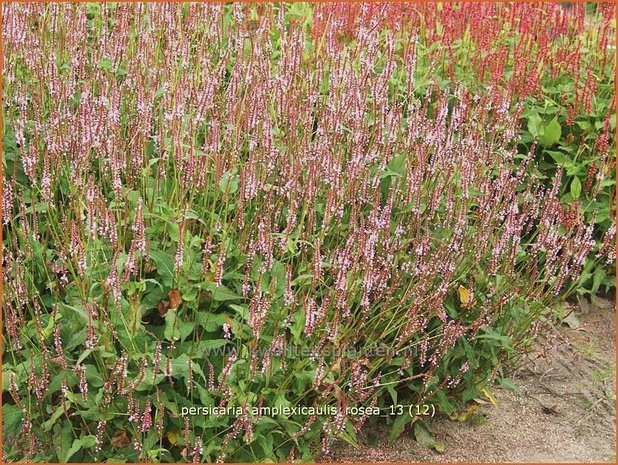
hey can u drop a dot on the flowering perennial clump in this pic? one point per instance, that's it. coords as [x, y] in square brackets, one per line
[287, 205]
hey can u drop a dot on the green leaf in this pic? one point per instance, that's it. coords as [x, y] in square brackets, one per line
[399, 426]
[106, 64]
[505, 340]
[152, 298]
[11, 420]
[180, 367]
[160, 91]
[63, 440]
[297, 327]
[534, 124]
[559, 157]
[83, 356]
[391, 390]
[597, 280]
[228, 182]
[5, 378]
[551, 133]
[93, 376]
[241, 310]
[171, 333]
[185, 328]
[222, 293]
[210, 321]
[576, 188]
[425, 439]
[78, 444]
[47, 425]
[165, 263]
[265, 442]
[396, 167]
[209, 345]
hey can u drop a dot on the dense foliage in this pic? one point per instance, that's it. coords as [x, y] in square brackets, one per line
[328, 207]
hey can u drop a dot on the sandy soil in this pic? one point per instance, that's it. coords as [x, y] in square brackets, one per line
[566, 410]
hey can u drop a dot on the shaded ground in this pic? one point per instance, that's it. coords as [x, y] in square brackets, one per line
[565, 412]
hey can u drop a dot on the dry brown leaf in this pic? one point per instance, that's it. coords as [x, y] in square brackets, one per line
[149, 267]
[465, 414]
[120, 439]
[162, 307]
[175, 298]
